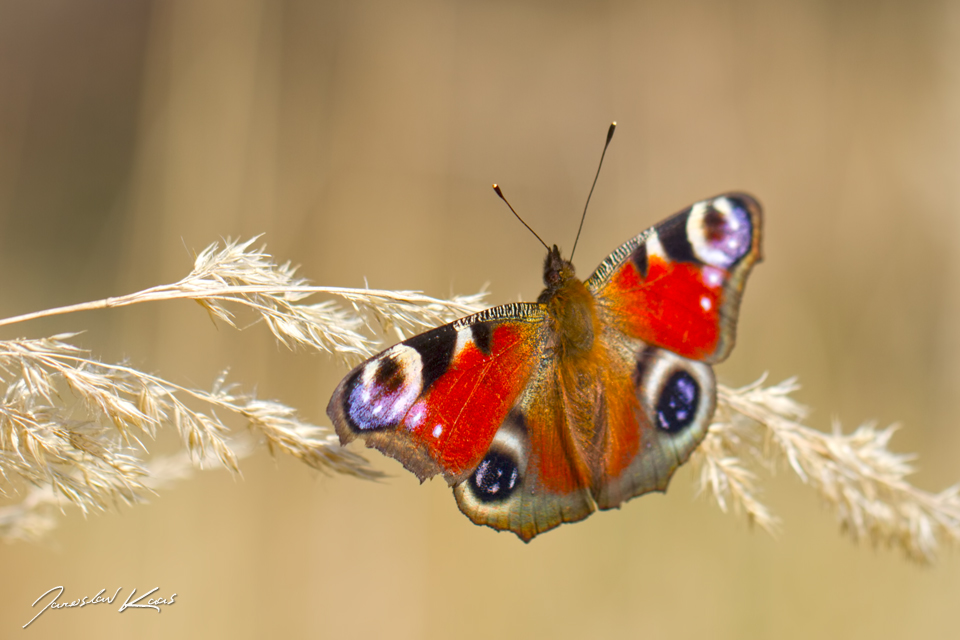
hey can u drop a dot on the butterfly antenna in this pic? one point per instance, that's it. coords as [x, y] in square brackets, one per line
[496, 188]
[613, 125]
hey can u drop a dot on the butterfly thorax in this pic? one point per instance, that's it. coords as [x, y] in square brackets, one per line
[570, 306]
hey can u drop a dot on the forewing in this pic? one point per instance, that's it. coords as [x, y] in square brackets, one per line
[435, 402]
[678, 284]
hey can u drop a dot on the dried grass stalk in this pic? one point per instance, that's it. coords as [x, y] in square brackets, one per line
[856, 475]
[75, 428]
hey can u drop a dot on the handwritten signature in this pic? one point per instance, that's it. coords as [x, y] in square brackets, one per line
[152, 603]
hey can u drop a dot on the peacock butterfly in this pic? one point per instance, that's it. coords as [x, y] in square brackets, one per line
[540, 413]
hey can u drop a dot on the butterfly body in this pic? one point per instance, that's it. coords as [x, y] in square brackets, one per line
[541, 413]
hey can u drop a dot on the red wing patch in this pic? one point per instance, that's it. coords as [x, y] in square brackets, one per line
[458, 416]
[673, 307]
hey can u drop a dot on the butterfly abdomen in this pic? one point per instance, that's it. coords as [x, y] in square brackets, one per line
[580, 362]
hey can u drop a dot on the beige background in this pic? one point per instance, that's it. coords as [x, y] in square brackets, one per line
[361, 138]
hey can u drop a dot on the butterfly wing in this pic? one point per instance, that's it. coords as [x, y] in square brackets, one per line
[435, 401]
[667, 302]
[678, 284]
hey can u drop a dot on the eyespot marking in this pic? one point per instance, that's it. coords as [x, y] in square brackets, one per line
[388, 374]
[380, 394]
[720, 231]
[496, 478]
[678, 402]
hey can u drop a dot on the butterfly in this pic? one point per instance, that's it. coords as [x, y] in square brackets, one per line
[540, 413]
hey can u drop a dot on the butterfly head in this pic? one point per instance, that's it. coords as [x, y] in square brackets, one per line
[556, 270]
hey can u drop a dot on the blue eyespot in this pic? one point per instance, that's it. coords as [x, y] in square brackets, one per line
[496, 478]
[678, 402]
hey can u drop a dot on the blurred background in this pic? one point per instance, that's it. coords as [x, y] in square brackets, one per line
[362, 138]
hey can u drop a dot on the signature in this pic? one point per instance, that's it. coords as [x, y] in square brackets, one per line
[129, 603]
